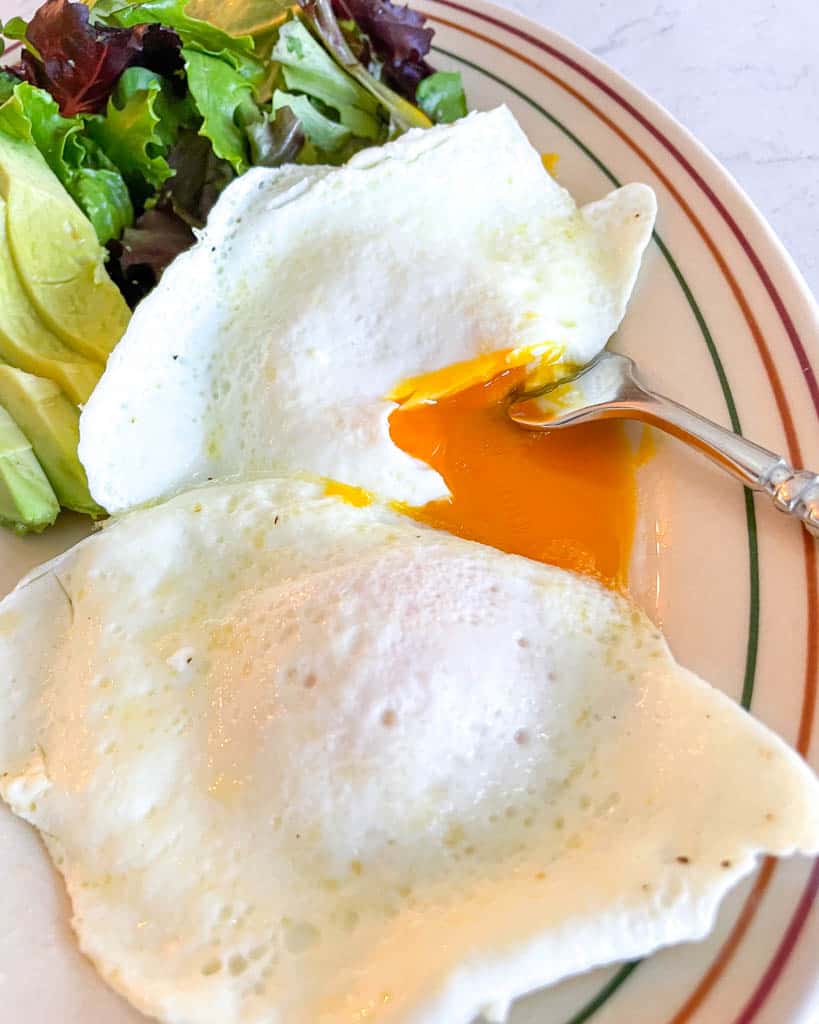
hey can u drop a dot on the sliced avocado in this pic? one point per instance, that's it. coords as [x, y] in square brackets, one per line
[27, 502]
[27, 343]
[52, 424]
[58, 259]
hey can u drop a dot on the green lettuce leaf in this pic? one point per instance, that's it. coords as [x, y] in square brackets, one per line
[14, 28]
[101, 193]
[257, 18]
[249, 18]
[308, 69]
[238, 51]
[141, 123]
[441, 96]
[326, 135]
[220, 93]
[175, 112]
[86, 173]
[7, 83]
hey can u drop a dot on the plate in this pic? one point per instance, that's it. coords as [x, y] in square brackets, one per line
[722, 321]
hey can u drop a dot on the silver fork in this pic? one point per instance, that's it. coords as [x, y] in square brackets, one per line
[608, 388]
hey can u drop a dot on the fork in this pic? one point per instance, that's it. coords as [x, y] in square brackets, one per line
[609, 388]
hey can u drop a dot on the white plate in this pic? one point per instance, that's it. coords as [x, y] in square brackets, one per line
[721, 321]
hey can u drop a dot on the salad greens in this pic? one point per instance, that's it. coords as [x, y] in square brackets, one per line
[219, 91]
[338, 115]
[141, 123]
[441, 96]
[79, 64]
[308, 68]
[350, 49]
[237, 51]
[397, 37]
[123, 98]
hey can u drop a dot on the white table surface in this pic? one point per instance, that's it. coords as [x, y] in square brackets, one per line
[742, 75]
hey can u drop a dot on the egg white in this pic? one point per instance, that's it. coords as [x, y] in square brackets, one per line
[314, 292]
[302, 762]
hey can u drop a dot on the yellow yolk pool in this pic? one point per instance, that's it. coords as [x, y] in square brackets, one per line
[567, 498]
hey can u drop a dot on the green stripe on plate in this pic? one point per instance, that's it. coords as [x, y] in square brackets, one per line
[604, 994]
[608, 990]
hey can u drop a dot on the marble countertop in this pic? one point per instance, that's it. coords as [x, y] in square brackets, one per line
[742, 75]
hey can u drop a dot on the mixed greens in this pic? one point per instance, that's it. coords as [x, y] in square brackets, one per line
[145, 111]
[120, 124]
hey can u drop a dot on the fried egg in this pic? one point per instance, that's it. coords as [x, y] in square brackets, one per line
[312, 763]
[318, 298]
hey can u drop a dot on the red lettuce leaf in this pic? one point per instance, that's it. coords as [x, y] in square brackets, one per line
[80, 63]
[277, 141]
[198, 180]
[399, 37]
[156, 238]
[137, 260]
[160, 51]
[161, 233]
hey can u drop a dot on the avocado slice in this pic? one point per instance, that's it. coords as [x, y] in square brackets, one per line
[27, 343]
[52, 424]
[27, 502]
[58, 259]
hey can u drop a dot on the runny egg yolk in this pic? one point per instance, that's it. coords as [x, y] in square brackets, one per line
[450, 380]
[565, 497]
[355, 496]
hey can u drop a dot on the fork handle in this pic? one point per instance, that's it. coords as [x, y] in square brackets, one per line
[794, 491]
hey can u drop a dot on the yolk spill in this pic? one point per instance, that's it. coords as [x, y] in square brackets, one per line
[457, 377]
[550, 162]
[355, 496]
[567, 497]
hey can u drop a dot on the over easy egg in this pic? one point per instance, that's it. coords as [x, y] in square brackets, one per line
[317, 297]
[309, 764]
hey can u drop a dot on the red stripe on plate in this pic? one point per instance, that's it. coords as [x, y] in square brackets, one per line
[786, 947]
